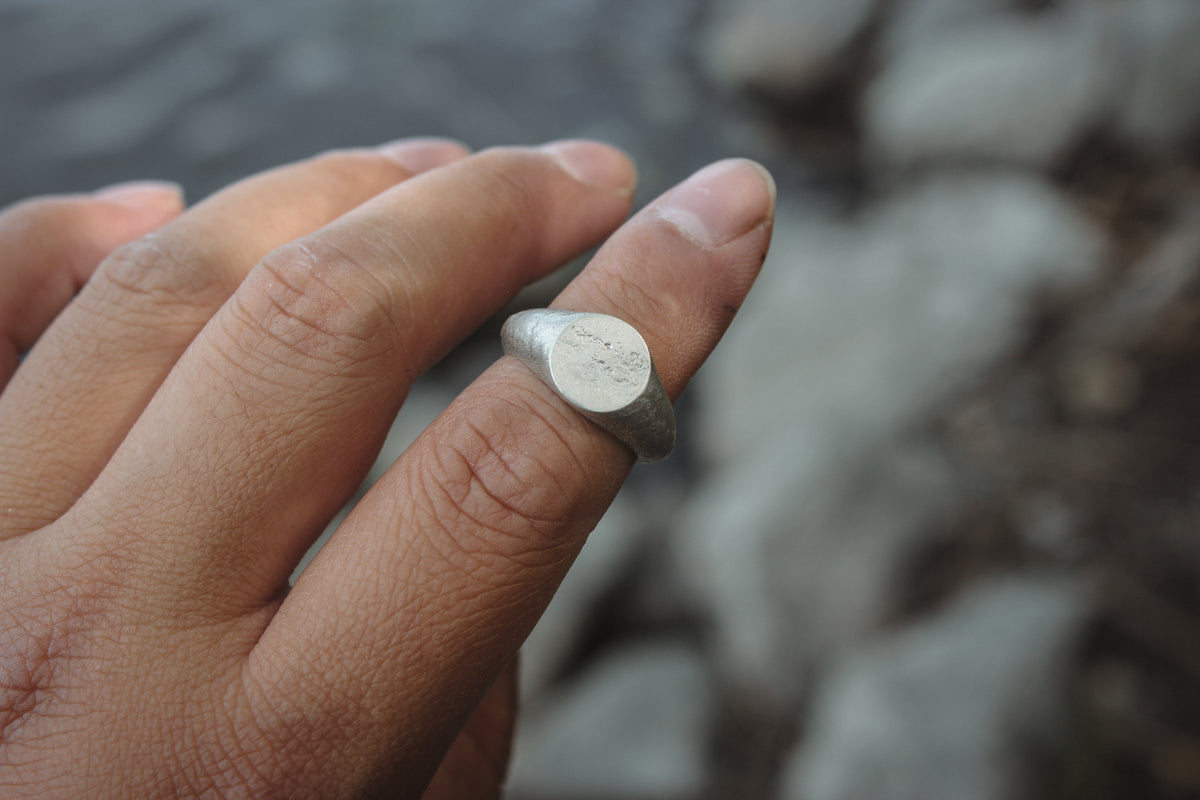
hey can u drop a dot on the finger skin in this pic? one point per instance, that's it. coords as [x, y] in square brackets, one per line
[50, 246]
[94, 370]
[477, 763]
[432, 583]
[272, 417]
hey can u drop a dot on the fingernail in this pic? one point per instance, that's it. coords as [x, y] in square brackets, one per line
[595, 164]
[722, 202]
[142, 195]
[422, 155]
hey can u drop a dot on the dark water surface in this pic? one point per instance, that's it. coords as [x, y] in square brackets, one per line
[203, 92]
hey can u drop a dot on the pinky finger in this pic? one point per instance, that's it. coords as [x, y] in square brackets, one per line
[49, 247]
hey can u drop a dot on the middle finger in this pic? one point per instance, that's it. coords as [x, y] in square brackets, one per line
[94, 370]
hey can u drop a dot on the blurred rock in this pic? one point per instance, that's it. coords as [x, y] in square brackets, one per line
[635, 725]
[819, 497]
[911, 24]
[784, 47]
[1014, 90]
[1177, 764]
[1141, 305]
[803, 549]
[1049, 525]
[860, 329]
[607, 556]
[960, 707]
[1160, 104]
[1098, 384]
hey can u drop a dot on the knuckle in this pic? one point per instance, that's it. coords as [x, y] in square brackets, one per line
[24, 683]
[516, 176]
[159, 270]
[354, 166]
[516, 185]
[492, 496]
[44, 630]
[321, 302]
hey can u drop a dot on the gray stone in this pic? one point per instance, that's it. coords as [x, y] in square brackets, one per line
[1160, 279]
[818, 494]
[609, 552]
[1098, 384]
[881, 318]
[1160, 103]
[1016, 90]
[914, 23]
[802, 550]
[635, 725]
[962, 706]
[784, 47]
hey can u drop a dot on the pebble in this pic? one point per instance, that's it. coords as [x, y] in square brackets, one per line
[800, 552]
[819, 494]
[610, 552]
[965, 705]
[884, 315]
[784, 47]
[636, 724]
[1014, 90]
[1159, 107]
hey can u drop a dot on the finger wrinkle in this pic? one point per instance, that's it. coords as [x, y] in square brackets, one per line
[40, 640]
[504, 501]
[492, 442]
[486, 507]
[531, 404]
[324, 305]
[407, 268]
[235, 356]
[159, 269]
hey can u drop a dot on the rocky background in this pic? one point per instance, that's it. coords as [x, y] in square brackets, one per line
[931, 533]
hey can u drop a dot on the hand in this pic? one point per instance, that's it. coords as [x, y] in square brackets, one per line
[177, 435]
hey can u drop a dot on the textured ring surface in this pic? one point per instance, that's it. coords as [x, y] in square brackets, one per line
[602, 367]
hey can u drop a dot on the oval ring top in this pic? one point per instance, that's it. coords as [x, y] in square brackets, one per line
[600, 363]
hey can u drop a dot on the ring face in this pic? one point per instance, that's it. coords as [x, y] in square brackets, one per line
[602, 367]
[600, 363]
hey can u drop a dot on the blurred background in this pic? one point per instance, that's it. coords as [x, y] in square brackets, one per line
[931, 531]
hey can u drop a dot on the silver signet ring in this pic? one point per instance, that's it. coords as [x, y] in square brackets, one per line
[602, 367]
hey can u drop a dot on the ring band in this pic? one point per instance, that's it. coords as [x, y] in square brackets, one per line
[602, 367]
